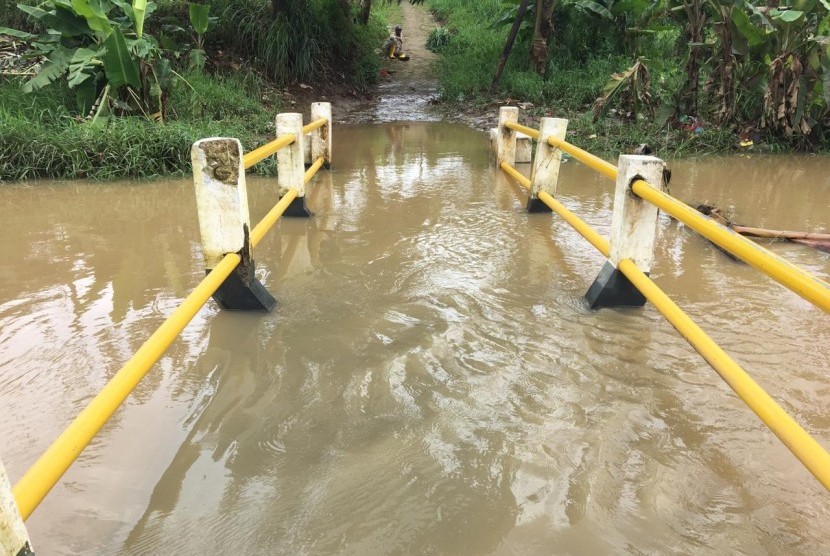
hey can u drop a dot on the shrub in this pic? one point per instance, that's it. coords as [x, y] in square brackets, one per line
[438, 39]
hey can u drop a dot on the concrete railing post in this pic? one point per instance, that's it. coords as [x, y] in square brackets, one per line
[14, 540]
[506, 137]
[633, 230]
[224, 221]
[321, 137]
[290, 166]
[545, 173]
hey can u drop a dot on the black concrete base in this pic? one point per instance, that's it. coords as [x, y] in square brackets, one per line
[297, 208]
[26, 550]
[536, 205]
[243, 293]
[612, 289]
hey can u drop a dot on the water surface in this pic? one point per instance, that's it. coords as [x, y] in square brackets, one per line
[431, 381]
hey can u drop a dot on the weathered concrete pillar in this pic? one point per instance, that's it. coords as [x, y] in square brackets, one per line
[524, 146]
[321, 137]
[290, 166]
[545, 173]
[633, 230]
[506, 137]
[224, 221]
[14, 540]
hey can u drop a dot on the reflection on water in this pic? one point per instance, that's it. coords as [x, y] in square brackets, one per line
[430, 382]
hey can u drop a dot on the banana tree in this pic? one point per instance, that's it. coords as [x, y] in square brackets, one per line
[797, 96]
[631, 89]
[98, 47]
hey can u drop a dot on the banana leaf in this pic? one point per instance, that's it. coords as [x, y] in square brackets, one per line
[22, 35]
[56, 64]
[196, 59]
[94, 14]
[61, 20]
[753, 35]
[85, 95]
[119, 66]
[81, 66]
[140, 12]
[199, 17]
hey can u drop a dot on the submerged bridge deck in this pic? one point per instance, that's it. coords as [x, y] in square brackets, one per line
[431, 376]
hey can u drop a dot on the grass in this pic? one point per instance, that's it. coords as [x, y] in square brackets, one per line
[582, 57]
[40, 137]
[304, 45]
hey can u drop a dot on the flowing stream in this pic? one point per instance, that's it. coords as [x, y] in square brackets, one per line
[430, 382]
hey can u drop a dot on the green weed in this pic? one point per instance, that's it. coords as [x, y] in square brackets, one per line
[39, 138]
[438, 39]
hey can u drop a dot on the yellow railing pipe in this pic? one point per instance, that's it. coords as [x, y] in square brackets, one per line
[30, 490]
[271, 218]
[41, 477]
[807, 286]
[309, 174]
[534, 133]
[591, 160]
[814, 457]
[602, 245]
[267, 150]
[515, 174]
[311, 126]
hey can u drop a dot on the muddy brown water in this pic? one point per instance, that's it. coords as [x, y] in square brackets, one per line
[430, 383]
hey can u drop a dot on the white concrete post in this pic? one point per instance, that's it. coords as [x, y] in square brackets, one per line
[524, 146]
[221, 197]
[14, 540]
[634, 222]
[545, 173]
[225, 222]
[506, 137]
[633, 231]
[321, 137]
[290, 167]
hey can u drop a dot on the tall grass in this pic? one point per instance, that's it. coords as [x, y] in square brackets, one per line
[303, 45]
[39, 136]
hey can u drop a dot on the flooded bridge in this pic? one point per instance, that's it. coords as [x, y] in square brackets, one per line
[431, 380]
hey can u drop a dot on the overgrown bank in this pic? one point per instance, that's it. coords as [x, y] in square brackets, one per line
[43, 136]
[685, 77]
[124, 94]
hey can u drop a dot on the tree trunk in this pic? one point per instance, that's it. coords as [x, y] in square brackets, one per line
[695, 26]
[345, 7]
[541, 32]
[508, 45]
[365, 10]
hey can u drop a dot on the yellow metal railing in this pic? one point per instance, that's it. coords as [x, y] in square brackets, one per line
[516, 175]
[261, 153]
[592, 161]
[808, 451]
[809, 287]
[316, 124]
[602, 245]
[529, 131]
[45, 473]
[813, 289]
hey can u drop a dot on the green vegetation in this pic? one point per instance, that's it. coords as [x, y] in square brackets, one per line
[41, 135]
[693, 74]
[124, 87]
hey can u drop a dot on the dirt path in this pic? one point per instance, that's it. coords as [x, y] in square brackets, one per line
[407, 89]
